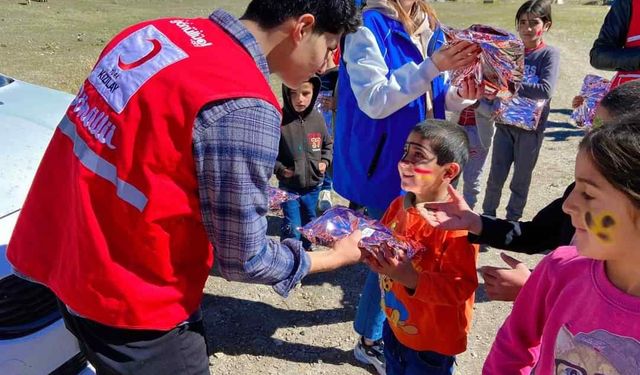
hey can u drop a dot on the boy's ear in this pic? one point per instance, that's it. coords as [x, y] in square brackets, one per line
[303, 26]
[452, 170]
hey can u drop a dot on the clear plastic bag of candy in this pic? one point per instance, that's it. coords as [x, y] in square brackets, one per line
[336, 223]
[520, 112]
[594, 88]
[339, 222]
[278, 197]
[500, 64]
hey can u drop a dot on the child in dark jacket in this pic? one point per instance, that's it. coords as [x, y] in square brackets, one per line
[304, 156]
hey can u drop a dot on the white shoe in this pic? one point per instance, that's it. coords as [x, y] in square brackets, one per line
[371, 355]
[324, 200]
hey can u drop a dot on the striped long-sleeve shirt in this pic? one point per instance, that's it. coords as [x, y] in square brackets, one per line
[235, 144]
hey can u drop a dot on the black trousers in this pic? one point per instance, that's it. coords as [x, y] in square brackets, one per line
[117, 351]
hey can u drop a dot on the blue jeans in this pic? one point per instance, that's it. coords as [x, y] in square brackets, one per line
[299, 212]
[369, 316]
[401, 360]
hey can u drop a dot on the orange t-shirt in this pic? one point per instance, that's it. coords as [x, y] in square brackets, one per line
[437, 315]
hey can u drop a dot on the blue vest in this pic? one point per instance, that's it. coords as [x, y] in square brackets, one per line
[367, 151]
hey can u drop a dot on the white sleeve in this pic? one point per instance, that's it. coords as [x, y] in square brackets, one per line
[455, 102]
[377, 95]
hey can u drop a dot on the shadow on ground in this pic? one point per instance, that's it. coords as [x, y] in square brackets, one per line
[561, 131]
[238, 326]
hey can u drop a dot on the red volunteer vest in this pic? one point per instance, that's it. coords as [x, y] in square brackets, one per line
[112, 223]
[633, 41]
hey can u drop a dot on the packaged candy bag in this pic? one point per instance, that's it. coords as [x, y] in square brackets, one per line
[501, 63]
[339, 222]
[336, 223]
[594, 88]
[278, 197]
[521, 112]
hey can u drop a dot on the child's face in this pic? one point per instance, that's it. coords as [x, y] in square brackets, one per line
[605, 218]
[301, 97]
[419, 170]
[531, 30]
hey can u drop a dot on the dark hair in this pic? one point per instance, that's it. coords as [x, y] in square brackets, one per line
[448, 141]
[333, 16]
[623, 100]
[537, 8]
[615, 151]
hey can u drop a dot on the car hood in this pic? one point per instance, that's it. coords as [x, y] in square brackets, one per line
[29, 115]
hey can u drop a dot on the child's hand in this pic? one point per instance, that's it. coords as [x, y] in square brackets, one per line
[287, 173]
[504, 284]
[470, 89]
[577, 101]
[455, 56]
[452, 215]
[322, 166]
[396, 265]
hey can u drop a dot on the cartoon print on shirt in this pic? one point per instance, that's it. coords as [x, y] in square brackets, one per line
[595, 353]
[396, 312]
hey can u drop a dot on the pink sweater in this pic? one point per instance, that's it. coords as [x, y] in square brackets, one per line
[569, 319]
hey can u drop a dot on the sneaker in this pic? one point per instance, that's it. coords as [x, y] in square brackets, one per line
[371, 354]
[324, 201]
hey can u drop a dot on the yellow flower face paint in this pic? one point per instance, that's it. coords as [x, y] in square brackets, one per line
[602, 226]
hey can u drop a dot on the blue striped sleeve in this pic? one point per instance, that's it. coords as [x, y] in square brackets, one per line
[235, 144]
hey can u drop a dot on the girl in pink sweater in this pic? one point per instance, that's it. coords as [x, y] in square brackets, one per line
[579, 313]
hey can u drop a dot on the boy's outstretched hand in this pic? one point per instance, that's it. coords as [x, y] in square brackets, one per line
[394, 264]
[452, 215]
[504, 284]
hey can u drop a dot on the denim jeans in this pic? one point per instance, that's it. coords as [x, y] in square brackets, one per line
[521, 148]
[369, 316]
[299, 212]
[401, 360]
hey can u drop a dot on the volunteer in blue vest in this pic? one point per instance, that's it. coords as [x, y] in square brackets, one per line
[167, 150]
[618, 44]
[392, 77]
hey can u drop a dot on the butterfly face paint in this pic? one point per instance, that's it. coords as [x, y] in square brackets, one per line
[601, 225]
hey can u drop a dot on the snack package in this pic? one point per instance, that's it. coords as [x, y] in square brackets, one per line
[339, 222]
[594, 88]
[501, 63]
[278, 197]
[521, 112]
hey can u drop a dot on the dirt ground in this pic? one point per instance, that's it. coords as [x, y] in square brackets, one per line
[251, 330]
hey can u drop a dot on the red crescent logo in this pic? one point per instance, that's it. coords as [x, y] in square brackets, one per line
[134, 64]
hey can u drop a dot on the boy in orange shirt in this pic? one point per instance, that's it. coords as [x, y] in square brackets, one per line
[428, 300]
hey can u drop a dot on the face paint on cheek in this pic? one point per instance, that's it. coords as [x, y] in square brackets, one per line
[602, 226]
[423, 174]
[539, 33]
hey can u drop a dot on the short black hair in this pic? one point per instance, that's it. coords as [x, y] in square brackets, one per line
[537, 8]
[332, 16]
[615, 151]
[623, 100]
[448, 141]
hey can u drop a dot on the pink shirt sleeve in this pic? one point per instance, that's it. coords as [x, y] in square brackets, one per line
[516, 347]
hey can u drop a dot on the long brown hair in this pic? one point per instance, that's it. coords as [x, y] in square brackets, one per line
[412, 20]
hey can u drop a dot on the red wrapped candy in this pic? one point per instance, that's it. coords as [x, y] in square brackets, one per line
[500, 64]
[339, 222]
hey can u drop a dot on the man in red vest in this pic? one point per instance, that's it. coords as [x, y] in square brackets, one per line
[166, 150]
[618, 44]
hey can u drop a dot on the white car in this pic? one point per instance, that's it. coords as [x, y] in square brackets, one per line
[33, 337]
